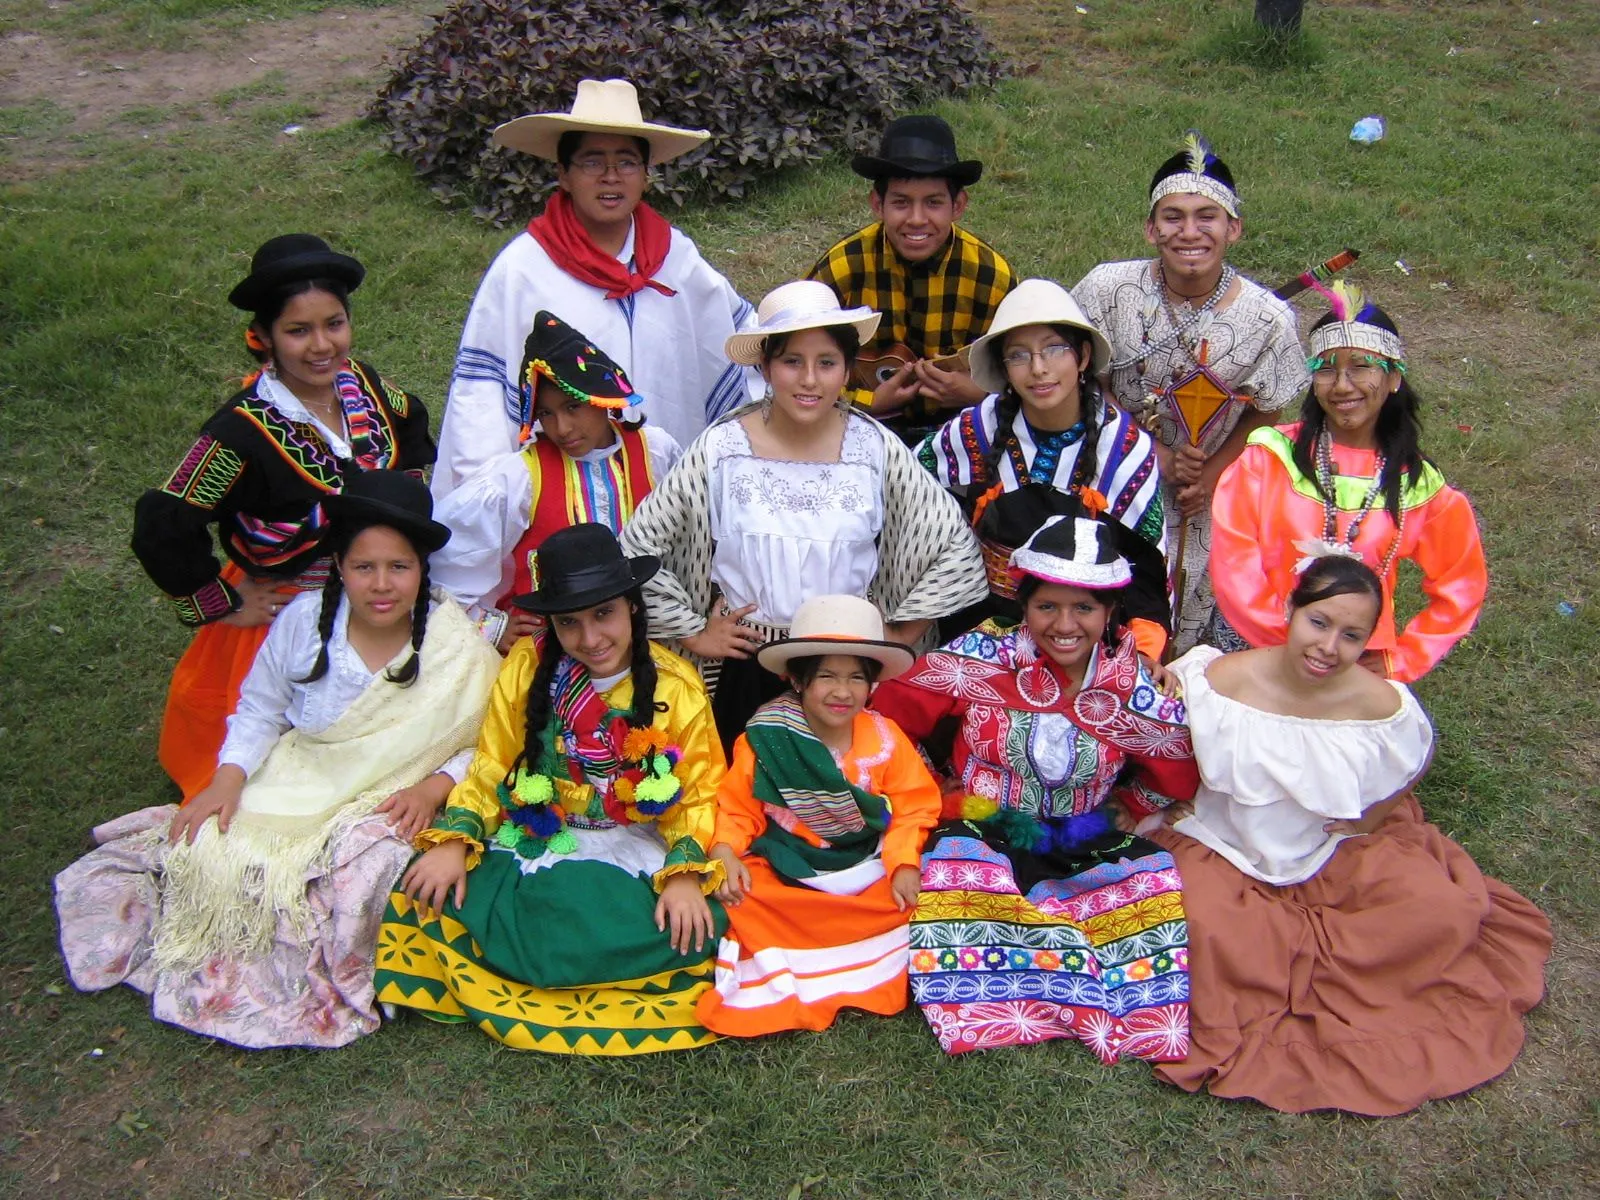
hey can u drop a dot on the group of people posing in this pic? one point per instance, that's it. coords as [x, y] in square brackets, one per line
[924, 633]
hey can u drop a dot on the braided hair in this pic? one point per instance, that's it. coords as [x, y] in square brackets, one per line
[1090, 407]
[1398, 432]
[551, 655]
[333, 589]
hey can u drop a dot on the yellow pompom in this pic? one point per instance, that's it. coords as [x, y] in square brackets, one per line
[978, 808]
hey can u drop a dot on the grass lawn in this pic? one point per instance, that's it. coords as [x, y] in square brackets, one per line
[119, 241]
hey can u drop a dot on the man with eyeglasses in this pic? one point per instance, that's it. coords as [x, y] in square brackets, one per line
[936, 284]
[1200, 356]
[608, 265]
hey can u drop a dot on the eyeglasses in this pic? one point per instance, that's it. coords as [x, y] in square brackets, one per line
[1361, 375]
[1022, 359]
[596, 165]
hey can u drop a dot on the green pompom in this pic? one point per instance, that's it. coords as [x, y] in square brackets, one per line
[656, 791]
[563, 843]
[534, 789]
[508, 835]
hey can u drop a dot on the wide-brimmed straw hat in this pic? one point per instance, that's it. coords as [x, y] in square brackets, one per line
[290, 258]
[918, 147]
[390, 498]
[1032, 302]
[581, 566]
[837, 625]
[804, 304]
[1076, 552]
[601, 106]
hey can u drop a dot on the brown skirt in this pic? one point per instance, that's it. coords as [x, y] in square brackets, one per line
[1398, 974]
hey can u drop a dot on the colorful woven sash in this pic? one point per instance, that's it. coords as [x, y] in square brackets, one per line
[797, 776]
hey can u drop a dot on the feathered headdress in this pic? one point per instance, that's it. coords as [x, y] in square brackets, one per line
[1196, 169]
[1352, 327]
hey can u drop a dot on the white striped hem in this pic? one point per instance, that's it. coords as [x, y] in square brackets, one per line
[776, 974]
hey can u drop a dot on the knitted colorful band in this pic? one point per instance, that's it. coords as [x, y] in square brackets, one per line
[538, 366]
[1357, 335]
[1201, 185]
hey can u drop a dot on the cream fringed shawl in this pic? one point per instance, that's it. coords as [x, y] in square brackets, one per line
[225, 894]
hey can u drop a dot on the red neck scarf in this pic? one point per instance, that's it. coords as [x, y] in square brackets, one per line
[569, 246]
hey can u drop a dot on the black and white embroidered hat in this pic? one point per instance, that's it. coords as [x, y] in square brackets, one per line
[1075, 552]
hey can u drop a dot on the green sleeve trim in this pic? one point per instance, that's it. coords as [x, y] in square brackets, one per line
[685, 852]
[1348, 490]
[461, 820]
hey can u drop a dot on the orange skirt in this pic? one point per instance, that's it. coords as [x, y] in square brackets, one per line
[203, 694]
[1398, 974]
[794, 956]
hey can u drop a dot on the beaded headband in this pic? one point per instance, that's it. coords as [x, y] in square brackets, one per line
[1349, 330]
[1195, 180]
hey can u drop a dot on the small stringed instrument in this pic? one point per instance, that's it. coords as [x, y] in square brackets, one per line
[879, 366]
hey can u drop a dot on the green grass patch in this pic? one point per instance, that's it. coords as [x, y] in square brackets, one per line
[116, 341]
[165, 24]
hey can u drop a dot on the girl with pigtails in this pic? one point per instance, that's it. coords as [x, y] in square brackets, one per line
[251, 913]
[561, 902]
[1046, 440]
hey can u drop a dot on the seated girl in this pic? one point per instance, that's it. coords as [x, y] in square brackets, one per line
[1346, 953]
[1048, 434]
[561, 902]
[250, 914]
[1041, 916]
[302, 425]
[584, 464]
[820, 823]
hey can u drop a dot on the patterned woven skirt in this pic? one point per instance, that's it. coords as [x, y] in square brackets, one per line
[559, 954]
[1009, 948]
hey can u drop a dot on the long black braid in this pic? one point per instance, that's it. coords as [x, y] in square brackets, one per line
[406, 673]
[333, 590]
[643, 669]
[1090, 405]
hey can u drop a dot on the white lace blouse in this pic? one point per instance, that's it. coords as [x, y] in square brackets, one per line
[271, 702]
[1268, 783]
[786, 531]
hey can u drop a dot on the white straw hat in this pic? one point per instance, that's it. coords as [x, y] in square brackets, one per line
[837, 625]
[804, 304]
[601, 106]
[1032, 302]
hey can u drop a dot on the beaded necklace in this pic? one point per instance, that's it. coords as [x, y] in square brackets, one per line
[1330, 510]
[1179, 328]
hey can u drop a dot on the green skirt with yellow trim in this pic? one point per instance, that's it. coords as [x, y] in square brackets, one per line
[565, 958]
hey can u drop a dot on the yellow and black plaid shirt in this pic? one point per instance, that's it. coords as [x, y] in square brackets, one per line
[931, 308]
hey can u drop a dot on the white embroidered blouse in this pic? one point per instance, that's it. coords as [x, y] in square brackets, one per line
[271, 701]
[1268, 783]
[785, 531]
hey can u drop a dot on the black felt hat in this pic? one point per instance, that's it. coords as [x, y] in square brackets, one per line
[390, 498]
[558, 352]
[290, 258]
[918, 146]
[581, 566]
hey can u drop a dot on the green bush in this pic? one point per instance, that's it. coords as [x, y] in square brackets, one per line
[778, 84]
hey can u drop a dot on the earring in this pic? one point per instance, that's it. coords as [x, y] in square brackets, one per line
[766, 405]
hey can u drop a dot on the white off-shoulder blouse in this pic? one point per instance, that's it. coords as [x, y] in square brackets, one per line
[1268, 782]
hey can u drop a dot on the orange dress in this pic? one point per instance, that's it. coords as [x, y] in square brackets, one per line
[795, 953]
[1264, 505]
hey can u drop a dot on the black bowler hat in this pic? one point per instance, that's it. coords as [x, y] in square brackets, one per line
[290, 258]
[559, 353]
[390, 498]
[581, 566]
[919, 146]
